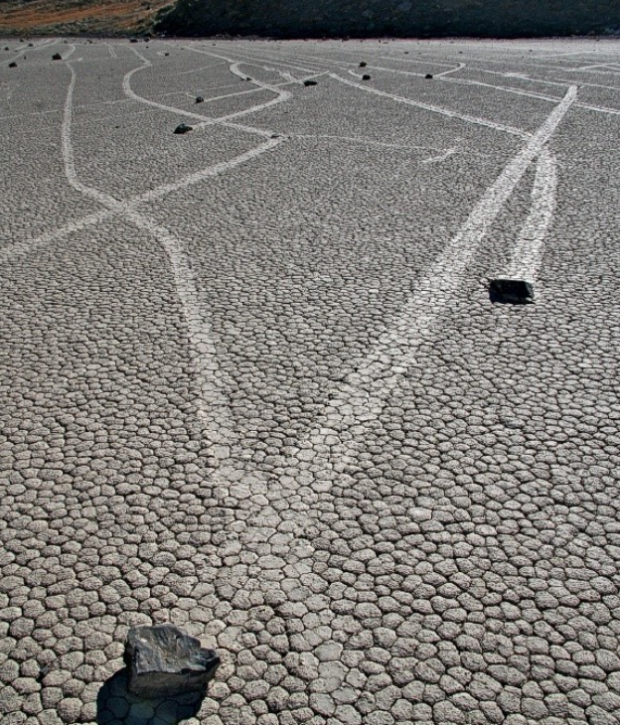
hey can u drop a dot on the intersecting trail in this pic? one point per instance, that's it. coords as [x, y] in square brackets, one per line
[433, 108]
[281, 96]
[331, 445]
[377, 376]
[212, 402]
[205, 121]
[214, 406]
[559, 83]
[115, 206]
[19, 249]
[274, 405]
[446, 76]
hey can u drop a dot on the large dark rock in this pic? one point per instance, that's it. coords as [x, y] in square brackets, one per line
[163, 661]
[511, 291]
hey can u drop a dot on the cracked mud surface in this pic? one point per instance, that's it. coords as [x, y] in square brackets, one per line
[252, 382]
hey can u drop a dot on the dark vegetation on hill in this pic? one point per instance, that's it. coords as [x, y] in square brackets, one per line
[312, 18]
[395, 18]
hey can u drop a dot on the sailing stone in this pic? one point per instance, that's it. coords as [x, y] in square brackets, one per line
[163, 661]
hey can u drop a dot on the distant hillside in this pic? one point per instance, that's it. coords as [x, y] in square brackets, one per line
[64, 17]
[396, 18]
[312, 18]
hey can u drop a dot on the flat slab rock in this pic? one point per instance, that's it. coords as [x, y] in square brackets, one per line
[513, 291]
[163, 661]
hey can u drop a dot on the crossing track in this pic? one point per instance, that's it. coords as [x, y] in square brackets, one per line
[253, 384]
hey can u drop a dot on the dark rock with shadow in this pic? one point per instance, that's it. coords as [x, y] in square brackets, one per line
[511, 291]
[164, 661]
[116, 705]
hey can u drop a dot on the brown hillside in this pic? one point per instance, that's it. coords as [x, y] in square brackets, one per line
[53, 17]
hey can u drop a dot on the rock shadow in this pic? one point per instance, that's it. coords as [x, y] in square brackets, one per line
[117, 706]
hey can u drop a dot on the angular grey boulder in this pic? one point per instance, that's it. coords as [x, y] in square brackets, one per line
[163, 661]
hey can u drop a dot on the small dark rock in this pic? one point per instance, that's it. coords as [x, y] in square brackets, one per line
[13, 64]
[44, 671]
[309, 83]
[133, 40]
[200, 99]
[428, 76]
[183, 128]
[363, 64]
[163, 661]
[166, 54]
[31, 45]
[512, 291]
[57, 56]
[365, 77]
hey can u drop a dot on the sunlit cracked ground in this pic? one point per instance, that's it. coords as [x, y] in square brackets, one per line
[253, 383]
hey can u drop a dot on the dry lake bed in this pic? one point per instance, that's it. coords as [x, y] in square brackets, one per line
[253, 382]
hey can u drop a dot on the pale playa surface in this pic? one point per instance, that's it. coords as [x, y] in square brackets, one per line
[253, 384]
